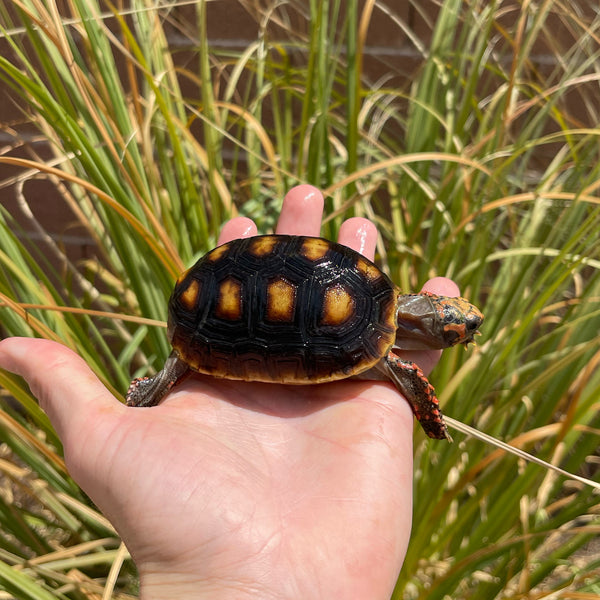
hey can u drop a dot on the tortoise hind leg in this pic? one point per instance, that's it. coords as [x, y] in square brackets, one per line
[419, 393]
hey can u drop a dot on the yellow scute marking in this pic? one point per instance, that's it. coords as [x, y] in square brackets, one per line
[182, 277]
[189, 297]
[261, 246]
[338, 305]
[217, 253]
[229, 302]
[281, 300]
[314, 248]
[369, 270]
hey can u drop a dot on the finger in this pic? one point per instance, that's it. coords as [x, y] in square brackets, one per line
[238, 227]
[301, 212]
[64, 385]
[360, 235]
[442, 286]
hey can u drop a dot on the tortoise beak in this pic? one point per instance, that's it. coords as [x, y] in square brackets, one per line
[471, 341]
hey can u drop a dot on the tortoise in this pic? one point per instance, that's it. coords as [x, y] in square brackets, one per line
[304, 310]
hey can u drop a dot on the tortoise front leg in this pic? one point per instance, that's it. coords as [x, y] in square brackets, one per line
[149, 391]
[419, 393]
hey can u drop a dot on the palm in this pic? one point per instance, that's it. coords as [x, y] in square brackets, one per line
[308, 466]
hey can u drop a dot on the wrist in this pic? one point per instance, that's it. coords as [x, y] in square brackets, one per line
[157, 585]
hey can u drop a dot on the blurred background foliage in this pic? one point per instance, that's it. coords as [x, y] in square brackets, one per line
[474, 146]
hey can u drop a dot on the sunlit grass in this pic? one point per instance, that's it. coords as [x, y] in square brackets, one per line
[482, 166]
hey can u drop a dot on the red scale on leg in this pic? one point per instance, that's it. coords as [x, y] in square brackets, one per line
[420, 394]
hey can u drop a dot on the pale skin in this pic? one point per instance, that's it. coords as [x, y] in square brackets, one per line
[244, 490]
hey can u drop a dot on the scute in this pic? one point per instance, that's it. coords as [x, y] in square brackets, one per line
[333, 318]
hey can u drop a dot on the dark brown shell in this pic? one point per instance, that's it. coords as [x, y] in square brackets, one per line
[285, 309]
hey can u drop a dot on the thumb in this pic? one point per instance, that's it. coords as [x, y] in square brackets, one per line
[66, 388]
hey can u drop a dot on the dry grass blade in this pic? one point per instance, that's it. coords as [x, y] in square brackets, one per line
[175, 266]
[25, 306]
[512, 449]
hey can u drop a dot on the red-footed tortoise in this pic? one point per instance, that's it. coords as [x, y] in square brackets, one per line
[304, 310]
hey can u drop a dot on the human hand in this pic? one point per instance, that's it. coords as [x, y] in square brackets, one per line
[234, 489]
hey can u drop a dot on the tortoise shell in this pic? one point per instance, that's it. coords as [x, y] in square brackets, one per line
[302, 310]
[283, 309]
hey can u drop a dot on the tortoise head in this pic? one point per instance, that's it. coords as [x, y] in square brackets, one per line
[426, 321]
